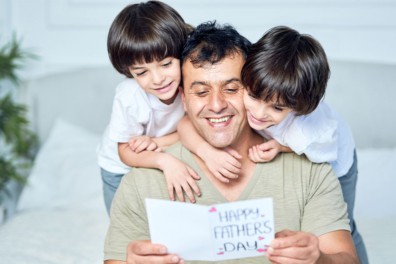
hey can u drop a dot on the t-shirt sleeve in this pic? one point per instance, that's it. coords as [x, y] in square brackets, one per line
[127, 119]
[323, 148]
[128, 220]
[314, 135]
[325, 209]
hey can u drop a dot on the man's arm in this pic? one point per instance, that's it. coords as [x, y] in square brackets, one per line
[337, 247]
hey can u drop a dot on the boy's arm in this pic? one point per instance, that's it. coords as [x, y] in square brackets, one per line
[222, 163]
[143, 142]
[167, 140]
[178, 175]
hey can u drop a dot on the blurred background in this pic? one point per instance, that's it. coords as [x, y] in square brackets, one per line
[72, 33]
[68, 90]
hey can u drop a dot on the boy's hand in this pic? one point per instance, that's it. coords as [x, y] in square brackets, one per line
[223, 164]
[180, 178]
[141, 143]
[265, 152]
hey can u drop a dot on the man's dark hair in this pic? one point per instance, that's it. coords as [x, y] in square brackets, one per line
[144, 32]
[289, 67]
[211, 42]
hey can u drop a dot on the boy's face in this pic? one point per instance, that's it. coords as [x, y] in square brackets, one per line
[159, 78]
[261, 114]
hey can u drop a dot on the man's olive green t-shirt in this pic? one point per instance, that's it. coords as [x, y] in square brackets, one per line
[307, 197]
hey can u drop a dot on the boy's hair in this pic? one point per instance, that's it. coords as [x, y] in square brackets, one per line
[209, 43]
[145, 32]
[289, 67]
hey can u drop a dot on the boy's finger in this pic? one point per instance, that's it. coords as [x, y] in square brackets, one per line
[193, 173]
[231, 168]
[189, 193]
[221, 177]
[179, 193]
[228, 174]
[171, 192]
[194, 186]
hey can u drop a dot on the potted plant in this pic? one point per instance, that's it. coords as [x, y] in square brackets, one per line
[17, 141]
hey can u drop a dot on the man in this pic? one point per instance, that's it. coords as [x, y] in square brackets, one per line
[307, 197]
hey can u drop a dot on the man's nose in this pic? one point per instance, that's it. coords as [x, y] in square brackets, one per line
[217, 102]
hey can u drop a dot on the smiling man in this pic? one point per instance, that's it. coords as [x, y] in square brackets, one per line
[307, 197]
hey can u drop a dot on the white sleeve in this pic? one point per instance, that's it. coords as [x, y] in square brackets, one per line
[324, 148]
[315, 135]
[125, 121]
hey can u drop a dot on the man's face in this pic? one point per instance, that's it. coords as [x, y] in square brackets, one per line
[213, 100]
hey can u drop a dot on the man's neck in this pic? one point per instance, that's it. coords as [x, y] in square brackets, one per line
[232, 190]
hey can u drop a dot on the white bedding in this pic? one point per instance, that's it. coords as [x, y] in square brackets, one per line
[61, 216]
[62, 219]
[52, 236]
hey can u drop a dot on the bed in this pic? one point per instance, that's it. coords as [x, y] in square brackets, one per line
[60, 216]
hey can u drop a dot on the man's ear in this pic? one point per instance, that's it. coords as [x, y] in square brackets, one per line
[181, 91]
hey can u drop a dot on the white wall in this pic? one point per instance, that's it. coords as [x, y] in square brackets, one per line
[70, 33]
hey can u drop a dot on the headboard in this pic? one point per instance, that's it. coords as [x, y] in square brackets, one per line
[83, 97]
[363, 93]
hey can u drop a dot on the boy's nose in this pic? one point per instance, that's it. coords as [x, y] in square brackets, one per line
[158, 78]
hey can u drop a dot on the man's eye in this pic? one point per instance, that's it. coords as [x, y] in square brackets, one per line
[201, 93]
[232, 90]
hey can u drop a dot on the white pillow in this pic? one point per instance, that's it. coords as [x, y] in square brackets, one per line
[65, 173]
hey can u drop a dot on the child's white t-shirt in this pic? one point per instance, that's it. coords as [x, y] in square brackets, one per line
[323, 136]
[135, 113]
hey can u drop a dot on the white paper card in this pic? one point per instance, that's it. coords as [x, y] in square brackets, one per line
[217, 232]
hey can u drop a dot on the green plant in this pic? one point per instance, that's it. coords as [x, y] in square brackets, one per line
[17, 141]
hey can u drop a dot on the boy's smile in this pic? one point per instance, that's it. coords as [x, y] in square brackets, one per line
[261, 114]
[159, 78]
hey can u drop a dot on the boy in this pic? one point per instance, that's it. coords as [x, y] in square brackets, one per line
[144, 43]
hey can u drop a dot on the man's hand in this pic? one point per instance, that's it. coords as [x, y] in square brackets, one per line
[266, 151]
[141, 252]
[294, 247]
[141, 143]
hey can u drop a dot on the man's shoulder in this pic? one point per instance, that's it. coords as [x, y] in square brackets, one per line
[300, 163]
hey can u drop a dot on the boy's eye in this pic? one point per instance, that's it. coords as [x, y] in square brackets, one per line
[278, 108]
[167, 64]
[140, 73]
